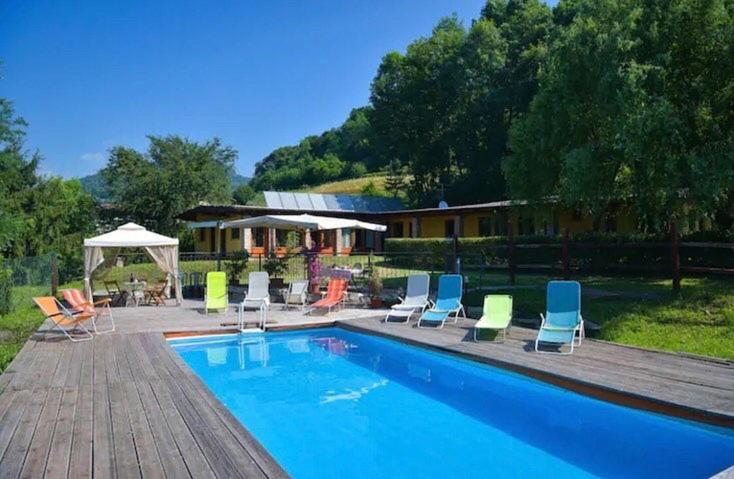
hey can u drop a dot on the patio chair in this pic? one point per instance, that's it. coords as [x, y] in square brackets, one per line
[215, 294]
[80, 305]
[157, 294]
[448, 301]
[297, 293]
[416, 297]
[63, 319]
[334, 297]
[257, 297]
[115, 293]
[563, 317]
[497, 314]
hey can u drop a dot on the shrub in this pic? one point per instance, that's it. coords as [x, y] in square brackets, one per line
[6, 290]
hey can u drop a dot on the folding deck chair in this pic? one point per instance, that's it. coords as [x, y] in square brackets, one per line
[334, 297]
[79, 304]
[63, 319]
[215, 294]
[448, 301]
[563, 318]
[497, 314]
[416, 297]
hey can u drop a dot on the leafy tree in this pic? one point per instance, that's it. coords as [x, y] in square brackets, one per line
[395, 180]
[243, 194]
[635, 106]
[38, 215]
[174, 175]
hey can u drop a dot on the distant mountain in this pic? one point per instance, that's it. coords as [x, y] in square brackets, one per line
[96, 186]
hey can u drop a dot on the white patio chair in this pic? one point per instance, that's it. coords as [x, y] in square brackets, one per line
[416, 298]
[296, 294]
[257, 297]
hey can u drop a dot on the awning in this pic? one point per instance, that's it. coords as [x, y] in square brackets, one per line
[130, 235]
[301, 222]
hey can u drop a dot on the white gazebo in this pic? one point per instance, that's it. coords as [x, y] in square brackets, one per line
[162, 249]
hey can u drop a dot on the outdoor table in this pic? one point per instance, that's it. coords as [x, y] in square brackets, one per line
[134, 291]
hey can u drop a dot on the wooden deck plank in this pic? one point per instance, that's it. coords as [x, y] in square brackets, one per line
[35, 461]
[208, 434]
[148, 459]
[258, 461]
[103, 450]
[193, 456]
[57, 465]
[20, 443]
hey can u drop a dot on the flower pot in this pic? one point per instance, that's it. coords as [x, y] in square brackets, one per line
[313, 288]
[376, 302]
[277, 283]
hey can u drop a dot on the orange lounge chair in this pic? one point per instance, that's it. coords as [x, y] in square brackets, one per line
[79, 304]
[334, 295]
[62, 318]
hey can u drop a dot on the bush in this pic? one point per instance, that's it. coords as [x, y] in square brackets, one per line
[6, 291]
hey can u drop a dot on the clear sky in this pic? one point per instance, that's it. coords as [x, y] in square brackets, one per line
[259, 74]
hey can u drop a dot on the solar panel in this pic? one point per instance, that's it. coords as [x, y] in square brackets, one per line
[328, 202]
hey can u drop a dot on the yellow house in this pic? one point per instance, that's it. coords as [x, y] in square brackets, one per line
[476, 220]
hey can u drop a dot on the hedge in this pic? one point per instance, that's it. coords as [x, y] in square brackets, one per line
[589, 252]
[6, 290]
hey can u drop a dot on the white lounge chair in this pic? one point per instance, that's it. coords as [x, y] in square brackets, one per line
[296, 294]
[257, 297]
[416, 298]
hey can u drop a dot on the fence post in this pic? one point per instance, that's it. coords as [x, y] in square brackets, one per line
[54, 275]
[260, 262]
[675, 256]
[219, 261]
[511, 252]
[455, 258]
[564, 255]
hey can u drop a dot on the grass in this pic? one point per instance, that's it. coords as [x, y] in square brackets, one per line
[17, 327]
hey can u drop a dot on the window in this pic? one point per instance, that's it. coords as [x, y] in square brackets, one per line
[448, 227]
[410, 229]
[202, 234]
[346, 238]
[500, 224]
[258, 237]
[485, 226]
[397, 229]
[235, 233]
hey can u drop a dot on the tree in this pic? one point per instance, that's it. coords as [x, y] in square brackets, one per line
[243, 194]
[38, 215]
[640, 97]
[395, 180]
[175, 174]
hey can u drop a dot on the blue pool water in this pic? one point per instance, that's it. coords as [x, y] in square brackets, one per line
[332, 403]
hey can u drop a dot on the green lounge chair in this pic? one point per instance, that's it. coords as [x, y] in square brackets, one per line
[497, 314]
[215, 296]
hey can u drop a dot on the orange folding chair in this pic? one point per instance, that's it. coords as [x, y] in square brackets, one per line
[335, 293]
[63, 319]
[80, 304]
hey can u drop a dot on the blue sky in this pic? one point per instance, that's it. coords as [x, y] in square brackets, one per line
[88, 75]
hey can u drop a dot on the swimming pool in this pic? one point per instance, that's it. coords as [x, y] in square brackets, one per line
[333, 403]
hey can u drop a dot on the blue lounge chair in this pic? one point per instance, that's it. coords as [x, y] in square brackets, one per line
[448, 301]
[563, 316]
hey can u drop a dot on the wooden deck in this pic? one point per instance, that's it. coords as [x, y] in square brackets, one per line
[122, 405]
[695, 388]
[126, 405]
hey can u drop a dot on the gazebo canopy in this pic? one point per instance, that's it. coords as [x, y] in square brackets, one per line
[162, 249]
[130, 235]
[301, 222]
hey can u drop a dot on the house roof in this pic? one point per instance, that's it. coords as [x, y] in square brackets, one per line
[287, 200]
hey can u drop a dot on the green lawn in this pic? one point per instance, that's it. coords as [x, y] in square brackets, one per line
[16, 327]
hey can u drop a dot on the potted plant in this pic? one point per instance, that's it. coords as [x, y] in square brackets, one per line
[313, 270]
[375, 288]
[236, 267]
[276, 268]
